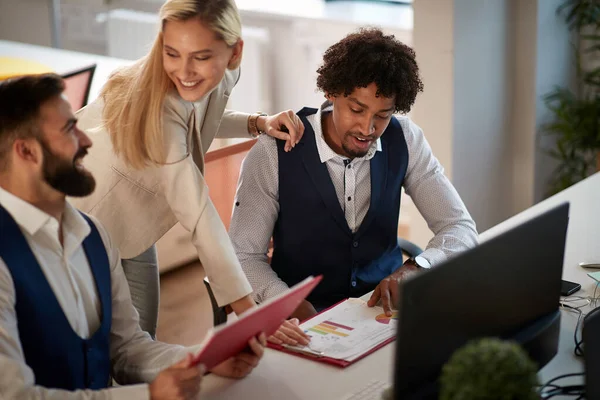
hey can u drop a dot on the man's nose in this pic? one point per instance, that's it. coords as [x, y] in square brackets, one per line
[84, 140]
[367, 127]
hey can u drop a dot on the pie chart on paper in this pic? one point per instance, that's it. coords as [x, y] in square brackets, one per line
[384, 319]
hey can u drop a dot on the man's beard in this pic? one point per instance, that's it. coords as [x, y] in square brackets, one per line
[64, 176]
[353, 152]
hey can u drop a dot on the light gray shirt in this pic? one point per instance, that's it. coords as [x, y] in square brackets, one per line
[257, 201]
[134, 356]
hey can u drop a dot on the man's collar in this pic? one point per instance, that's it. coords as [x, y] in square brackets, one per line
[326, 153]
[26, 215]
[32, 219]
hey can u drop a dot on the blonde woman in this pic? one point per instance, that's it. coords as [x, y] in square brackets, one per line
[151, 127]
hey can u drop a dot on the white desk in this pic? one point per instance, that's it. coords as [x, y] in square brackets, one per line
[582, 245]
[283, 376]
[63, 61]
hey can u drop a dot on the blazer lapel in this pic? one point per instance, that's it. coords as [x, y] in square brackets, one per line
[379, 168]
[208, 128]
[320, 176]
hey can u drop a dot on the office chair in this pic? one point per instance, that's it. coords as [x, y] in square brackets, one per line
[77, 86]
[408, 248]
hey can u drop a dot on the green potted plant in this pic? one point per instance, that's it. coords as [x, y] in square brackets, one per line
[489, 369]
[576, 124]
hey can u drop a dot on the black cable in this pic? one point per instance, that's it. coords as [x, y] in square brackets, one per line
[540, 387]
[560, 389]
[564, 376]
[558, 393]
[572, 390]
[578, 348]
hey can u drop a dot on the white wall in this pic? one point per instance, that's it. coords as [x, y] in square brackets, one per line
[486, 65]
[555, 66]
[544, 60]
[483, 57]
[29, 21]
[25, 21]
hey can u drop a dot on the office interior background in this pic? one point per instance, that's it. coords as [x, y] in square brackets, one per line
[486, 65]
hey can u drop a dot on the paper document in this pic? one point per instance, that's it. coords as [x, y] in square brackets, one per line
[347, 331]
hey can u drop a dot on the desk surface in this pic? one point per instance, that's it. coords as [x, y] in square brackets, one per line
[283, 376]
[582, 245]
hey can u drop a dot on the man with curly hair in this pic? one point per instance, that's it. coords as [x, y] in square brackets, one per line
[332, 204]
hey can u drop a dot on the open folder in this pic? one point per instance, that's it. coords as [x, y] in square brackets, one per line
[345, 333]
[229, 339]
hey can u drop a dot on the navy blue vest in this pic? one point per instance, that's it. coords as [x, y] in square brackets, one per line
[58, 357]
[311, 235]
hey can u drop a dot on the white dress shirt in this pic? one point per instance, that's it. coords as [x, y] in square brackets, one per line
[257, 201]
[134, 356]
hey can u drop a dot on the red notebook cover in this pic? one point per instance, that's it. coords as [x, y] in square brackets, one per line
[329, 360]
[227, 340]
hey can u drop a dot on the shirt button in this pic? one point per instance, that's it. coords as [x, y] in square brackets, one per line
[355, 244]
[353, 283]
[349, 198]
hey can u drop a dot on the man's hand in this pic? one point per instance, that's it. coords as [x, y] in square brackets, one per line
[387, 290]
[242, 364]
[304, 311]
[179, 382]
[290, 333]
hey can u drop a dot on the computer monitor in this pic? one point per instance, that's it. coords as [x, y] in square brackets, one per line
[77, 86]
[507, 287]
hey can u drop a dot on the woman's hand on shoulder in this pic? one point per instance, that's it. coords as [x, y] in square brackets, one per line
[285, 125]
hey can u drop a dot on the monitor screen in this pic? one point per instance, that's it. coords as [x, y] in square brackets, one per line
[77, 86]
[496, 289]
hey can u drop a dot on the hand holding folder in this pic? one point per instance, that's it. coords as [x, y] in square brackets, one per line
[229, 339]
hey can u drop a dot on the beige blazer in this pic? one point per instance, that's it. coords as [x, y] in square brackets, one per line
[138, 207]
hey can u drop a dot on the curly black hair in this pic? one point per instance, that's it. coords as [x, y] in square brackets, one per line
[368, 56]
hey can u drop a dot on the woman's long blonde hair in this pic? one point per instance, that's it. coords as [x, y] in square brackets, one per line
[134, 95]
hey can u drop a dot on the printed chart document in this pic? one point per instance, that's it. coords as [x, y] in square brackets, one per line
[346, 332]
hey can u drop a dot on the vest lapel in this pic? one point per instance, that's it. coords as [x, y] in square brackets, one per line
[100, 267]
[320, 176]
[379, 169]
[16, 252]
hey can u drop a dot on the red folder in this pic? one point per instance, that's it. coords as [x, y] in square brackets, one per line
[328, 360]
[227, 340]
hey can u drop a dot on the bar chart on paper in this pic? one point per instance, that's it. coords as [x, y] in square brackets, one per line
[331, 328]
[348, 330]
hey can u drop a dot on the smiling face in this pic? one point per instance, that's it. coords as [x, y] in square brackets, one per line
[194, 58]
[357, 121]
[64, 146]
